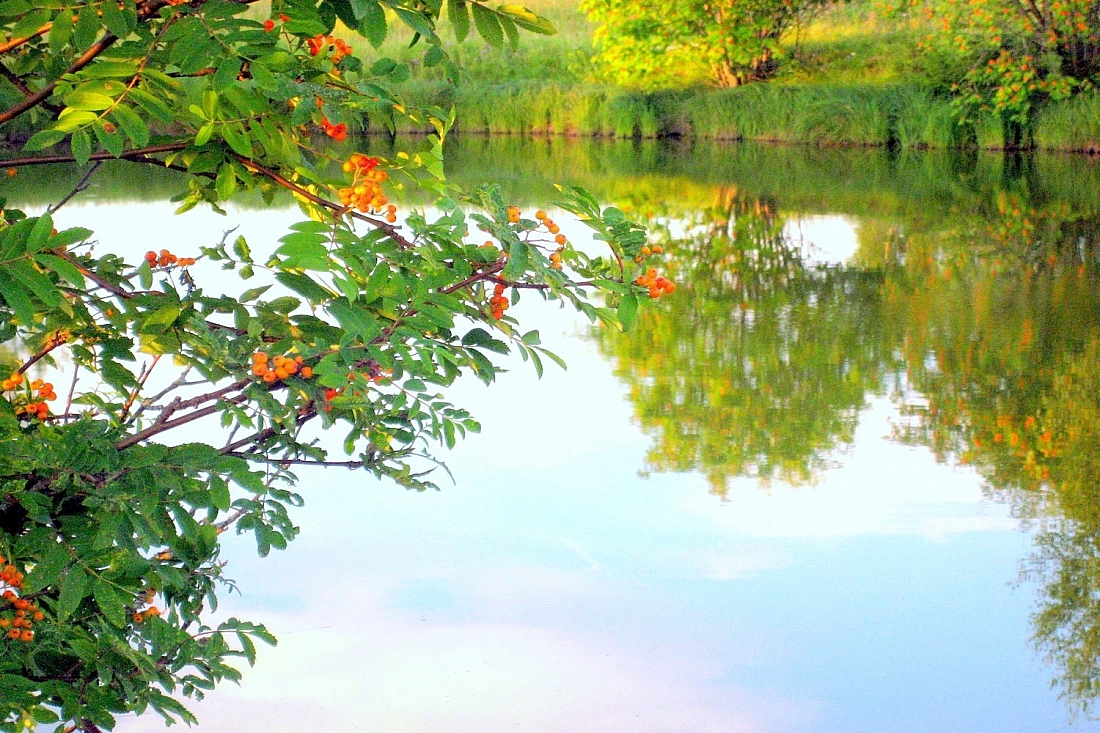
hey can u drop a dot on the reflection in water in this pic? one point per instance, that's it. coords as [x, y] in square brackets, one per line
[761, 363]
[983, 326]
[972, 301]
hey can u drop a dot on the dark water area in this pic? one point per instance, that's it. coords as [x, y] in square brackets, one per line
[845, 478]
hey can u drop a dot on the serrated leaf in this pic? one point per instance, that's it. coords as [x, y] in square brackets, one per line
[131, 124]
[74, 586]
[373, 26]
[458, 12]
[628, 311]
[488, 25]
[110, 603]
[43, 139]
[82, 146]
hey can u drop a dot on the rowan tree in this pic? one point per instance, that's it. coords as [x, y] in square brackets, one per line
[356, 320]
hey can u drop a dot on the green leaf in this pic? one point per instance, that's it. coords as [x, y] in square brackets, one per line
[226, 182]
[233, 133]
[111, 69]
[304, 286]
[62, 267]
[82, 146]
[131, 124]
[40, 233]
[145, 275]
[70, 120]
[203, 135]
[458, 12]
[18, 299]
[373, 27]
[87, 27]
[74, 586]
[110, 602]
[527, 20]
[488, 25]
[43, 139]
[509, 30]
[219, 494]
[161, 318]
[61, 31]
[628, 311]
[88, 101]
[36, 282]
[417, 21]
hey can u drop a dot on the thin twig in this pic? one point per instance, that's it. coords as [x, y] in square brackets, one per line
[80, 187]
[142, 379]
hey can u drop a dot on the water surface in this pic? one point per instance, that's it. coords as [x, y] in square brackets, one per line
[843, 480]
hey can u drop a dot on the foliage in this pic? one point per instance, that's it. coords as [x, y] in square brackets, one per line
[1010, 57]
[652, 45]
[761, 363]
[187, 411]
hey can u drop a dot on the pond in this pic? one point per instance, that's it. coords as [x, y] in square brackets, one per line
[845, 478]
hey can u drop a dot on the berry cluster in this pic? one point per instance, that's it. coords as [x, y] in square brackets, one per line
[338, 132]
[338, 47]
[657, 285]
[150, 611]
[17, 615]
[167, 259]
[498, 302]
[365, 191]
[269, 24]
[646, 251]
[277, 368]
[32, 407]
[559, 238]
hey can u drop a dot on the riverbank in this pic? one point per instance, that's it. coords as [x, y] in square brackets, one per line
[897, 115]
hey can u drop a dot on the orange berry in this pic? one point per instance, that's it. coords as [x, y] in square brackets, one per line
[27, 635]
[150, 256]
[540, 214]
[554, 228]
[658, 249]
[269, 377]
[138, 618]
[560, 239]
[14, 634]
[11, 172]
[306, 372]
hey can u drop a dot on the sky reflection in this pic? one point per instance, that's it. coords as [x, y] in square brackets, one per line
[555, 589]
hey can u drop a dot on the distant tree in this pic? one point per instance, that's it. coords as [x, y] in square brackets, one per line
[1008, 57]
[649, 44]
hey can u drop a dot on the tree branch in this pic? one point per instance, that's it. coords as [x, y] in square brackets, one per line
[325, 203]
[135, 154]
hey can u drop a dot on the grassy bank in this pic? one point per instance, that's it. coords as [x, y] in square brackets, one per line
[848, 78]
[900, 115]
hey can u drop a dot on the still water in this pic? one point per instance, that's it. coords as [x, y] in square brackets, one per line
[845, 479]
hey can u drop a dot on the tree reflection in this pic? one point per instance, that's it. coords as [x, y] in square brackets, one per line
[763, 366]
[986, 333]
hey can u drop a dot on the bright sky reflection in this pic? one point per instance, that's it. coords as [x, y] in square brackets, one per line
[553, 589]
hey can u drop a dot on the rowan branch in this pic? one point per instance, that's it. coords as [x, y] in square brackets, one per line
[325, 203]
[134, 154]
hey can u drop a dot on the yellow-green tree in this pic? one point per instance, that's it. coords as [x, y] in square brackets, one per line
[727, 42]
